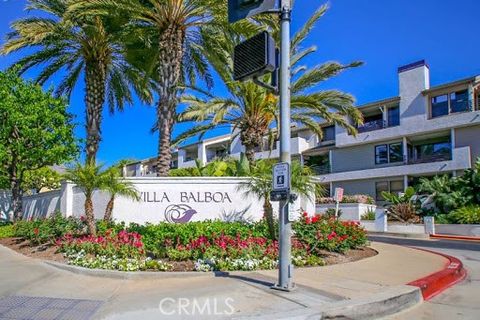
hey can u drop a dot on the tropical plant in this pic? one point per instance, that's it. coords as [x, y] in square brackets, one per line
[251, 110]
[444, 192]
[260, 184]
[172, 34]
[403, 207]
[72, 45]
[35, 131]
[469, 184]
[88, 178]
[115, 185]
[216, 168]
[466, 215]
[369, 215]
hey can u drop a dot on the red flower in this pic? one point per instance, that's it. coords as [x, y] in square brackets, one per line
[35, 231]
[315, 219]
[332, 235]
[305, 214]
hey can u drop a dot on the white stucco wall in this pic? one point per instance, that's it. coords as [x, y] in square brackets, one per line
[162, 199]
[36, 206]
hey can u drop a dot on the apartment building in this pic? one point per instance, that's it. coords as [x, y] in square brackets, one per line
[423, 131]
[228, 146]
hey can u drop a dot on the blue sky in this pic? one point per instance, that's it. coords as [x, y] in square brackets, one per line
[383, 34]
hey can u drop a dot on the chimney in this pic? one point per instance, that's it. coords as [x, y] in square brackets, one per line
[413, 79]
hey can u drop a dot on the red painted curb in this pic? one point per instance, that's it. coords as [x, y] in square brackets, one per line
[439, 281]
[452, 237]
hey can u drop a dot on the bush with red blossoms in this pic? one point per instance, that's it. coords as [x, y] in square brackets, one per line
[121, 245]
[319, 233]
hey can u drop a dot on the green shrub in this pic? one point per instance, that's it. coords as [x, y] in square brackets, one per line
[6, 231]
[356, 198]
[48, 230]
[319, 233]
[369, 215]
[155, 237]
[466, 215]
[330, 213]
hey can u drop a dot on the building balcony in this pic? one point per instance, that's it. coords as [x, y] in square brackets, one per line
[372, 126]
[460, 160]
[323, 169]
[430, 158]
[416, 124]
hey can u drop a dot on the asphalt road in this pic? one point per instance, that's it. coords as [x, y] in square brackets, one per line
[461, 301]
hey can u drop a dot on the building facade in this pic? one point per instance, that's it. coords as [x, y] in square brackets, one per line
[424, 131]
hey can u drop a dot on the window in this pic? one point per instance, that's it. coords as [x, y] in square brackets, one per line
[388, 186]
[379, 188]
[396, 187]
[328, 133]
[394, 116]
[389, 153]
[459, 101]
[441, 150]
[381, 154]
[478, 99]
[395, 152]
[440, 106]
[453, 102]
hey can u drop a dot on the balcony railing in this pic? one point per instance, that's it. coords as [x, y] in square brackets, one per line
[372, 126]
[323, 169]
[430, 158]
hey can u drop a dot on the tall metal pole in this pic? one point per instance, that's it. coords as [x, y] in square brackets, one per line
[285, 265]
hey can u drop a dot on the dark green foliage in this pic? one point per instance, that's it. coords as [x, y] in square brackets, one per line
[156, 236]
[43, 231]
[466, 215]
[456, 199]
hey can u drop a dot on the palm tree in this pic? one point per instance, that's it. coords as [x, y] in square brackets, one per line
[76, 45]
[250, 110]
[88, 178]
[179, 31]
[260, 184]
[115, 185]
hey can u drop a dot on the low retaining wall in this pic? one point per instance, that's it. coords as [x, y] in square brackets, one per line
[350, 211]
[176, 200]
[469, 230]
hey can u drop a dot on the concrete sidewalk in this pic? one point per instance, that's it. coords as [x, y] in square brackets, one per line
[237, 295]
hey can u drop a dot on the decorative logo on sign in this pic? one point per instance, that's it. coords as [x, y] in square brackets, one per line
[179, 213]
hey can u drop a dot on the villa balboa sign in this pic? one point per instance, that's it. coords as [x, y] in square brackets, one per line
[186, 197]
[181, 212]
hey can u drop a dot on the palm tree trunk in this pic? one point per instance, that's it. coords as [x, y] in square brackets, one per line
[90, 217]
[170, 67]
[108, 211]
[95, 76]
[250, 154]
[268, 216]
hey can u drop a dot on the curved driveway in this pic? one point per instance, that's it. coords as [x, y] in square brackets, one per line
[462, 301]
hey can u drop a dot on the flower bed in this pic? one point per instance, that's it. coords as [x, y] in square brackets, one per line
[199, 246]
[357, 198]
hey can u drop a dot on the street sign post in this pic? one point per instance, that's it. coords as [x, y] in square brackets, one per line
[338, 198]
[240, 9]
